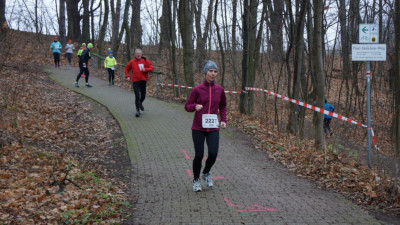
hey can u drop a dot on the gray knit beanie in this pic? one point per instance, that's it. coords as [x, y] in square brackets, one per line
[209, 65]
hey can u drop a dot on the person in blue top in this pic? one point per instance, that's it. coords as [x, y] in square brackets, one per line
[56, 47]
[328, 118]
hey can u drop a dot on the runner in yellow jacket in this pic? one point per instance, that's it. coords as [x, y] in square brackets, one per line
[109, 64]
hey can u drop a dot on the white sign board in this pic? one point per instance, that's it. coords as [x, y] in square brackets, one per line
[368, 52]
[368, 33]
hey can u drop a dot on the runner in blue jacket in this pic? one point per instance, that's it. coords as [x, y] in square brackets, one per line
[56, 47]
[328, 118]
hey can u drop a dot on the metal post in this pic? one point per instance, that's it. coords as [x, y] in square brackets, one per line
[93, 61]
[157, 85]
[368, 74]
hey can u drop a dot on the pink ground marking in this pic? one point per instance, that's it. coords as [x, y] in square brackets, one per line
[249, 209]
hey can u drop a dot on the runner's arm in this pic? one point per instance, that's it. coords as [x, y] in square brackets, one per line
[190, 105]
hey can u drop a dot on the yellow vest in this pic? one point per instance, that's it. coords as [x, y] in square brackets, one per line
[110, 62]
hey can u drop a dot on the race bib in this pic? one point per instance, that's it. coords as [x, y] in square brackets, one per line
[112, 68]
[56, 46]
[141, 67]
[210, 121]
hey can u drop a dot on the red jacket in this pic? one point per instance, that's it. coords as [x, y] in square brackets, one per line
[212, 97]
[138, 75]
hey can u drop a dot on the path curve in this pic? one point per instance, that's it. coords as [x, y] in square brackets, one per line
[249, 187]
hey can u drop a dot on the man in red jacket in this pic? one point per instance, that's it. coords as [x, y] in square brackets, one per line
[140, 68]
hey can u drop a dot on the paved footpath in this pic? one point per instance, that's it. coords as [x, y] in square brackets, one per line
[249, 188]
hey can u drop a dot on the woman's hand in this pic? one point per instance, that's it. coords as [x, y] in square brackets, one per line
[198, 107]
[223, 125]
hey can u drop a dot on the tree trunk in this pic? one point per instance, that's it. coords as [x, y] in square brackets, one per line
[61, 22]
[164, 25]
[276, 27]
[172, 38]
[202, 36]
[254, 47]
[234, 21]
[319, 73]
[397, 71]
[243, 103]
[103, 29]
[136, 27]
[116, 15]
[299, 65]
[85, 22]
[221, 47]
[185, 19]
[3, 14]
[74, 29]
[124, 27]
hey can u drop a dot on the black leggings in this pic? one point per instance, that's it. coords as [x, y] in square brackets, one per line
[140, 92]
[83, 70]
[327, 125]
[110, 74]
[69, 57]
[212, 139]
[56, 58]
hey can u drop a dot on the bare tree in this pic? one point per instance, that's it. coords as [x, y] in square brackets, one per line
[185, 20]
[136, 27]
[103, 28]
[74, 29]
[61, 22]
[164, 24]
[275, 9]
[397, 72]
[85, 22]
[221, 46]
[115, 15]
[319, 73]
[2, 13]
[298, 63]
[202, 36]
[234, 21]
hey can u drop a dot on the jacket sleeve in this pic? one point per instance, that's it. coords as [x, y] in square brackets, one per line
[222, 107]
[51, 46]
[115, 61]
[127, 69]
[105, 62]
[148, 67]
[190, 105]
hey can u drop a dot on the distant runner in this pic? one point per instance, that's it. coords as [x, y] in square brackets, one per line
[207, 100]
[140, 68]
[69, 49]
[84, 66]
[109, 63]
[56, 47]
[328, 118]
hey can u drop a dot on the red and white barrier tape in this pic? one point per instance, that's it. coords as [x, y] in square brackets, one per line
[181, 86]
[317, 109]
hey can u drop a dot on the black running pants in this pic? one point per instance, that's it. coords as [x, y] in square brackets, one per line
[139, 87]
[212, 139]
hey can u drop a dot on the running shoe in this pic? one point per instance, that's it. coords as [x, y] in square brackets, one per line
[207, 179]
[141, 107]
[88, 85]
[112, 82]
[196, 185]
[76, 84]
[109, 83]
[137, 114]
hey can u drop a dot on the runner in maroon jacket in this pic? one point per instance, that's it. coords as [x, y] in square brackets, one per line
[208, 100]
[140, 68]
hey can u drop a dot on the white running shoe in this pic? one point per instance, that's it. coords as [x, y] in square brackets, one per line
[207, 179]
[196, 185]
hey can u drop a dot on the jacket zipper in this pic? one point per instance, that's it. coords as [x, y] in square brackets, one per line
[209, 107]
